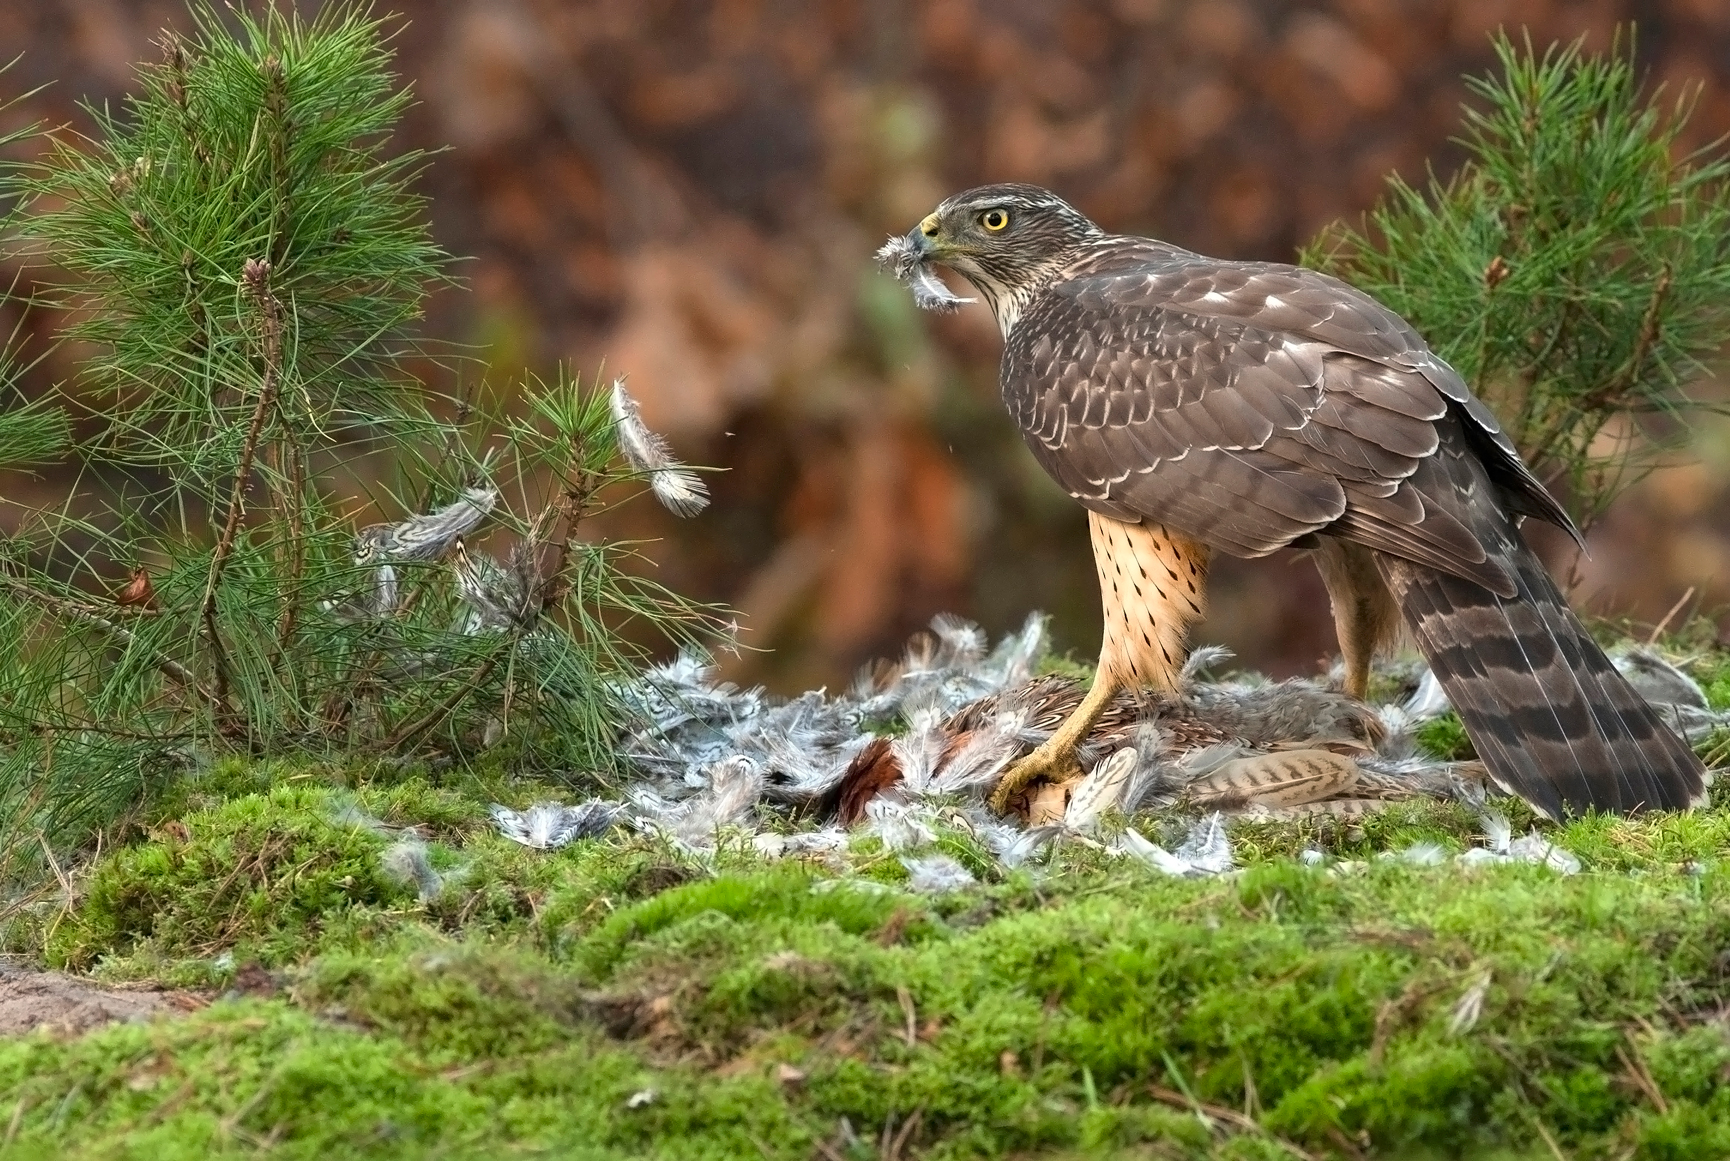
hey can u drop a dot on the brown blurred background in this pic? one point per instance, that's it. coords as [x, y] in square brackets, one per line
[691, 192]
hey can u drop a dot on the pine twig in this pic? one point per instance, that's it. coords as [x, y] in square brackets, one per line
[1611, 392]
[568, 508]
[292, 507]
[177, 69]
[168, 666]
[443, 710]
[1608, 396]
[255, 278]
[292, 511]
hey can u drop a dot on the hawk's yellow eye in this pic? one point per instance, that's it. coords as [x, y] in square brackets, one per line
[994, 220]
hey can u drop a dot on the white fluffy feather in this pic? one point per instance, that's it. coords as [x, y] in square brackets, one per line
[1100, 791]
[937, 874]
[547, 826]
[903, 259]
[679, 490]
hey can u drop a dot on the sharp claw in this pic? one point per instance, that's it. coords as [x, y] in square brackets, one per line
[1042, 764]
[1013, 780]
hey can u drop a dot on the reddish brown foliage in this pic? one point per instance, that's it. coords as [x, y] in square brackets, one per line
[692, 192]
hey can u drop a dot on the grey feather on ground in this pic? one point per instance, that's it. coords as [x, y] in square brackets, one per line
[708, 755]
[406, 861]
[548, 826]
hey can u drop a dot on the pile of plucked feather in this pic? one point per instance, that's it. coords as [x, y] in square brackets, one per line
[915, 749]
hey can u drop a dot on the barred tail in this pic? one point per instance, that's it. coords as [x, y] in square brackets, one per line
[1551, 718]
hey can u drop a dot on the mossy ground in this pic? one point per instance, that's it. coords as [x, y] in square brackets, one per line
[617, 1000]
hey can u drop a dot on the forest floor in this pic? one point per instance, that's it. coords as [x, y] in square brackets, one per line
[257, 973]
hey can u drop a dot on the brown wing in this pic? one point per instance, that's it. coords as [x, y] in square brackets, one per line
[1250, 405]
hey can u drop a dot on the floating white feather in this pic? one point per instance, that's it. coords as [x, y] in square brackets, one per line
[679, 490]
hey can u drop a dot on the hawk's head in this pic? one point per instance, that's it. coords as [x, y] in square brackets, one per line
[1003, 238]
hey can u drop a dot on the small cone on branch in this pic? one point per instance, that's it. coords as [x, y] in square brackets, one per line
[137, 592]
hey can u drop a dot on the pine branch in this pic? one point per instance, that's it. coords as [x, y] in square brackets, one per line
[255, 280]
[1573, 270]
[401, 737]
[60, 606]
[260, 144]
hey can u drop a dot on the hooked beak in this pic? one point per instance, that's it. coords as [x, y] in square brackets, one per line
[923, 237]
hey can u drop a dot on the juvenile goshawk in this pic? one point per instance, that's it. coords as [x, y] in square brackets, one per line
[1193, 404]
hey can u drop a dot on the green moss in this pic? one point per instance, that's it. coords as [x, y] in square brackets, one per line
[706, 914]
[453, 803]
[1445, 738]
[263, 873]
[1067, 665]
[252, 1077]
[1692, 1065]
[453, 1002]
[279, 875]
[1713, 674]
[1055, 1011]
[1027, 1017]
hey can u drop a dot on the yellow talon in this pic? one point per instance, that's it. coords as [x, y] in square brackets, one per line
[1050, 763]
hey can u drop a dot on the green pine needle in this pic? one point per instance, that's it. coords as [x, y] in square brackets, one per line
[241, 248]
[1576, 270]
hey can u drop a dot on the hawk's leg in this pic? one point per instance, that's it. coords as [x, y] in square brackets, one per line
[1153, 585]
[1366, 615]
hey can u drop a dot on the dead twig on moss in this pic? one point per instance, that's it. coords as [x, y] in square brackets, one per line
[1642, 1079]
[1178, 1100]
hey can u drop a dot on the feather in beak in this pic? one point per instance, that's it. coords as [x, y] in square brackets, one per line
[908, 260]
